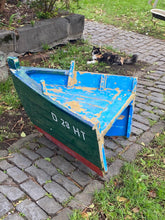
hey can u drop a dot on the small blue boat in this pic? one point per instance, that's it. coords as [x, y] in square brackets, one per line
[76, 110]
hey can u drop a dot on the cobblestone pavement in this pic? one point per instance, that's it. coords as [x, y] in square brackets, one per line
[41, 181]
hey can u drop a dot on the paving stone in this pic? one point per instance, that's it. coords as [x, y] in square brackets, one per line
[21, 161]
[66, 155]
[143, 106]
[3, 153]
[156, 94]
[49, 205]
[3, 176]
[114, 169]
[30, 154]
[23, 141]
[34, 146]
[38, 174]
[146, 82]
[47, 166]
[141, 119]
[31, 210]
[66, 183]
[109, 153]
[34, 190]
[83, 167]
[150, 115]
[11, 192]
[4, 165]
[158, 127]
[155, 89]
[123, 141]
[63, 215]
[131, 153]
[18, 175]
[43, 140]
[83, 199]
[163, 79]
[160, 106]
[110, 144]
[159, 112]
[140, 125]
[141, 100]
[156, 99]
[80, 177]
[136, 131]
[59, 193]
[45, 152]
[62, 164]
[14, 217]
[5, 205]
[146, 138]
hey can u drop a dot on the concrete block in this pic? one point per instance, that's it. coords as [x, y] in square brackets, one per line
[43, 33]
[7, 39]
[76, 26]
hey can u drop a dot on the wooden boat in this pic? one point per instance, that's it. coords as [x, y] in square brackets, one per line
[76, 109]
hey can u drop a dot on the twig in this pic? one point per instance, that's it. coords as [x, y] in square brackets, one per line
[1, 158]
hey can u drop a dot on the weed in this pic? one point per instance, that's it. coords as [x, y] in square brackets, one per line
[49, 195]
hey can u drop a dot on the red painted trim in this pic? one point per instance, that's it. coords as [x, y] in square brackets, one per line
[71, 152]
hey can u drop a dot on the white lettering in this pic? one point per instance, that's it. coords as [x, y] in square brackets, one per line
[83, 135]
[54, 117]
[76, 131]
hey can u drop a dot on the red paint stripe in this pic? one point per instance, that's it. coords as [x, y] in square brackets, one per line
[71, 152]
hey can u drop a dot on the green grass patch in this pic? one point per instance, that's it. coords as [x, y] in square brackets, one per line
[137, 193]
[130, 15]
[8, 96]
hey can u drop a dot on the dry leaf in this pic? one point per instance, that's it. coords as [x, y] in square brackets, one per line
[135, 210]
[121, 199]
[142, 143]
[128, 217]
[152, 194]
[157, 134]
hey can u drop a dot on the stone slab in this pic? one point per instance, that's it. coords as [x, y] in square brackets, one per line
[66, 183]
[17, 175]
[64, 214]
[49, 205]
[5, 205]
[65, 166]
[58, 192]
[45, 152]
[20, 161]
[34, 190]
[14, 217]
[30, 154]
[31, 210]
[83, 199]
[38, 174]
[81, 178]
[131, 153]
[11, 192]
[47, 166]
[3, 176]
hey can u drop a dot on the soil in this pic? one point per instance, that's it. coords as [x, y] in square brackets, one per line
[16, 15]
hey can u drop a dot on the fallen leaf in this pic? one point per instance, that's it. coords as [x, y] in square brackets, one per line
[91, 206]
[135, 210]
[164, 160]
[152, 194]
[157, 134]
[23, 134]
[121, 199]
[142, 143]
[128, 217]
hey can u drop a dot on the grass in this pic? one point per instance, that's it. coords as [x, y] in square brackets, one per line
[8, 96]
[137, 193]
[127, 14]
